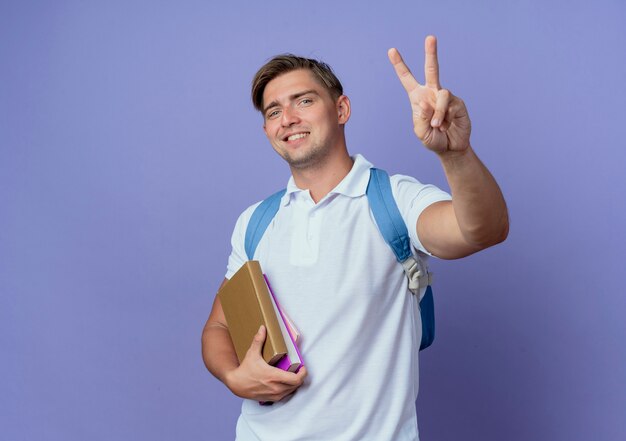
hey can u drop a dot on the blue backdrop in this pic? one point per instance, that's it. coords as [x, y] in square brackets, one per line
[128, 147]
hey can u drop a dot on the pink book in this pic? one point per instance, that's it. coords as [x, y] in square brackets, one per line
[292, 361]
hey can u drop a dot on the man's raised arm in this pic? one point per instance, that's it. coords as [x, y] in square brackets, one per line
[477, 216]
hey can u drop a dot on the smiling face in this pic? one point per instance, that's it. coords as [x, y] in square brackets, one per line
[302, 121]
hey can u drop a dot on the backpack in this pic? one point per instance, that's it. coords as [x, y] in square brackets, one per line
[392, 227]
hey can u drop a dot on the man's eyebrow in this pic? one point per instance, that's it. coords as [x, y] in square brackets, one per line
[295, 96]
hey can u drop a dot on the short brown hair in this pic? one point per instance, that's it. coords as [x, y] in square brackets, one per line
[284, 63]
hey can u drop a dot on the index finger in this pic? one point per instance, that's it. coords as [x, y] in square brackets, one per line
[292, 379]
[404, 73]
[431, 64]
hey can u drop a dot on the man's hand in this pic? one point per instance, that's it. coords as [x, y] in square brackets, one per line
[440, 119]
[256, 380]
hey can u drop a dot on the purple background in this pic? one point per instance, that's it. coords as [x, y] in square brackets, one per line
[128, 147]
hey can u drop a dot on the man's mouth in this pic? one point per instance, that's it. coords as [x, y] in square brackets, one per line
[296, 136]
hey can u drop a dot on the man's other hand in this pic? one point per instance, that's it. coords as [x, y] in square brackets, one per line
[256, 380]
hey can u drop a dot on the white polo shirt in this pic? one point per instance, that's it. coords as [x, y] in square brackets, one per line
[340, 283]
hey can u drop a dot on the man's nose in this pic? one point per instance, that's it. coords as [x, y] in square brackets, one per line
[289, 117]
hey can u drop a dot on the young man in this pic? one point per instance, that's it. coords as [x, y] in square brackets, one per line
[334, 273]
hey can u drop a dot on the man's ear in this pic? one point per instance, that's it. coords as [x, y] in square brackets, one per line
[343, 109]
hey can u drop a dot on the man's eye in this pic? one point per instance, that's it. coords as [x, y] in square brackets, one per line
[273, 114]
[306, 101]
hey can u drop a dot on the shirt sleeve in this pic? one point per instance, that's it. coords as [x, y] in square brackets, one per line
[412, 197]
[238, 254]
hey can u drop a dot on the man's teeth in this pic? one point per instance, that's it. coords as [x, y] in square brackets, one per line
[297, 136]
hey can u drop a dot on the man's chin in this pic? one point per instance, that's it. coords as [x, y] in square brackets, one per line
[304, 161]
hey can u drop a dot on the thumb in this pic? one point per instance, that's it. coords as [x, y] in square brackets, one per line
[258, 340]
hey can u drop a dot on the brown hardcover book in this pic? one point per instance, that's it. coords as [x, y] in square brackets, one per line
[247, 305]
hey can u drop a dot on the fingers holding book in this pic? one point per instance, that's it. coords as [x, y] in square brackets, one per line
[256, 380]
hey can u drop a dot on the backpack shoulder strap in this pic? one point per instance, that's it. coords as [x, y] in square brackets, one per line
[395, 233]
[387, 215]
[260, 220]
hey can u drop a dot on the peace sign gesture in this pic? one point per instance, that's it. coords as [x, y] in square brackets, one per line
[440, 119]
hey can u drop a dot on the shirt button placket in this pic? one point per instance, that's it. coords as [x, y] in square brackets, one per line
[310, 234]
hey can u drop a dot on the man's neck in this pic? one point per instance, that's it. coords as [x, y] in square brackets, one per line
[323, 177]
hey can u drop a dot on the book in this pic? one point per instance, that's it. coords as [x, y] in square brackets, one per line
[293, 331]
[292, 360]
[248, 304]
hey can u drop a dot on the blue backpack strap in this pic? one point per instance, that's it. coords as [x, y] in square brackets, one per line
[260, 220]
[427, 312]
[395, 233]
[387, 215]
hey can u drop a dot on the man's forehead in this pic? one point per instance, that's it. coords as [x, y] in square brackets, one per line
[285, 85]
